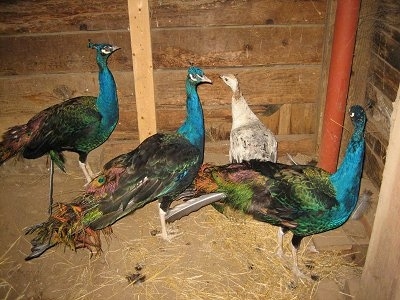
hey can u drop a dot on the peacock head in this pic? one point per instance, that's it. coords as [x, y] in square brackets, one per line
[103, 49]
[357, 115]
[196, 76]
[231, 81]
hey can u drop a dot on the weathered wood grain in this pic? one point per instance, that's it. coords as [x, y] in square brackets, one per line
[51, 16]
[140, 36]
[237, 46]
[210, 47]
[385, 78]
[386, 44]
[64, 53]
[274, 47]
[260, 85]
[172, 13]
[266, 89]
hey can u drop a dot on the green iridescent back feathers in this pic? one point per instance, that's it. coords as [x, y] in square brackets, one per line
[305, 199]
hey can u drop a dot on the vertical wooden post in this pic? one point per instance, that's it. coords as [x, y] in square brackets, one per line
[139, 24]
[381, 277]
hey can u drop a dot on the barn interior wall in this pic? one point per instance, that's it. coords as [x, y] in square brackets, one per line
[376, 77]
[275, 47]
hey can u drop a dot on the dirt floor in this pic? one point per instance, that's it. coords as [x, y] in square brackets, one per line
[213, 257]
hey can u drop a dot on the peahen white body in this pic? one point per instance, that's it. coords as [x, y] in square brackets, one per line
[249, 138]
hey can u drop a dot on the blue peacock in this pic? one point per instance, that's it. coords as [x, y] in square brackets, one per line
[161, 167]
[79, 125]
[302, 199]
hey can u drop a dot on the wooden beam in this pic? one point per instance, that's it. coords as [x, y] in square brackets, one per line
[139, 24]
[380, 278]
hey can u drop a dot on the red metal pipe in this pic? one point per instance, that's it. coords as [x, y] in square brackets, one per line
[344, 37]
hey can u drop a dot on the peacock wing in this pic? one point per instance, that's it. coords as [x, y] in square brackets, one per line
[60, 126]
[162, 165]
[293, 192]
[298, 191]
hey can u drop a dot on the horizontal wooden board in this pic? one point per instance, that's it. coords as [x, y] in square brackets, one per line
[259, 85]
[237, 46]
[64, 53]
[266, 89]
[385, 78]
[218, 120]
[43, 16]
[388, 13]
[386, 44]
[30, 94]
[175, 48]
[173, 13]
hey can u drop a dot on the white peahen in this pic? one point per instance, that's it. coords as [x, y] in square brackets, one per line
[249, 138]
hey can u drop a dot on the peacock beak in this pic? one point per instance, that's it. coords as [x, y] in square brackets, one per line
[204, 78]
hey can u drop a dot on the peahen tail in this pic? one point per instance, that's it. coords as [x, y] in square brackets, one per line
[14, 141]
[66, 225]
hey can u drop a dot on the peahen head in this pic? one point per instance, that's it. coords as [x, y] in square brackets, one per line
[196, 76]
[104, 50]
[231, 81]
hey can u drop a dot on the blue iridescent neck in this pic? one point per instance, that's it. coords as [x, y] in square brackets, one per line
[193, 127]
[346, 180]
[107, 100]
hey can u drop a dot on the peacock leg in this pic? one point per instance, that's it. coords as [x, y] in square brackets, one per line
[90, 171]
[85, 171]
[280, 235]
[296, 240]
[164, 233]
[51, 187]
[280, 253]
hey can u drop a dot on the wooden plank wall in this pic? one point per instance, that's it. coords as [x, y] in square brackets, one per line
[274, 46]
[376, 86]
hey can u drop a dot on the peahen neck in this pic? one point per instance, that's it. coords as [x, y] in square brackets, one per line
[193, 127]
[346, 180]
[241, 112]
[107, 100]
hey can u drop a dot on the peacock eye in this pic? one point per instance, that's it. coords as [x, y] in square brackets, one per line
[192, 77]
[101, 180]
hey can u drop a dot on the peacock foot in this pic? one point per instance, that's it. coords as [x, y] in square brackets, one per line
[167, 235]
[279, 253]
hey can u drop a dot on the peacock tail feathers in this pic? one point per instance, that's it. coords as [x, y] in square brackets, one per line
[69, 225]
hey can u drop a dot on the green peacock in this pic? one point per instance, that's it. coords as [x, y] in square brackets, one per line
[303, 199]
[79, 125]
[160, 168]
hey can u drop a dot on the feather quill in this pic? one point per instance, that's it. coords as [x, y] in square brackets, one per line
[363, 205]
[192, 205]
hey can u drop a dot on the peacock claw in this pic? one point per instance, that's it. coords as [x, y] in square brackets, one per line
[168, 236]
[282, 256]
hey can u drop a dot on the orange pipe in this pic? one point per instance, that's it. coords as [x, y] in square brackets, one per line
[344, 37]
